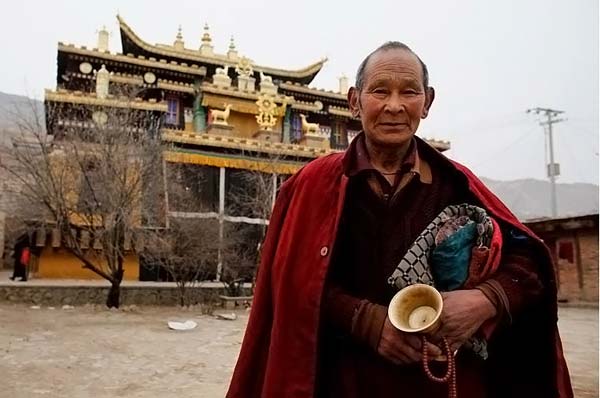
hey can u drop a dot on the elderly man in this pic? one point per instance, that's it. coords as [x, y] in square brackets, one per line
[319, 326]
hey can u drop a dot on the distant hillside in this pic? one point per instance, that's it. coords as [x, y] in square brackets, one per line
[529, 198]
[15, 110]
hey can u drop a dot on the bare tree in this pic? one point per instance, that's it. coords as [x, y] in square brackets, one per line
[89, 177]
[253, 195]
[186, 250]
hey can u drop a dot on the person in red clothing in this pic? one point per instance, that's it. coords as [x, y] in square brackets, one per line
[341, 225]
[21, 257]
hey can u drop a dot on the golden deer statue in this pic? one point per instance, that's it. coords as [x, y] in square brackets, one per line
[309, 128]
[220, 117]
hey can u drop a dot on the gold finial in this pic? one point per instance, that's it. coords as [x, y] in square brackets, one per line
[206, 47]
[178, 44]
[206, 39]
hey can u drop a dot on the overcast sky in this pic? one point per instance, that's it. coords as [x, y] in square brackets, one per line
[489, 60]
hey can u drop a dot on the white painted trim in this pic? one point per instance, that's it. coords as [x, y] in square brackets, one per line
[240, 219]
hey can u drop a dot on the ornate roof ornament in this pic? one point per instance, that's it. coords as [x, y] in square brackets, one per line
[266, 118]
[132, 43]
[179, 43]
[206, 47]
[232, 52]
[244, 67]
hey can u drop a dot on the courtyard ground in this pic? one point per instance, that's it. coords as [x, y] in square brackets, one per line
[93, 352]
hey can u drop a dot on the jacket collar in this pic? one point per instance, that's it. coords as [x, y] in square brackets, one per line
[356, 160]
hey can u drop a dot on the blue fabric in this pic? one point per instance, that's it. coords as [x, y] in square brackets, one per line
[450, 259]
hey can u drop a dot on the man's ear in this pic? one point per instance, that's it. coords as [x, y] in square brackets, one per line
[429, 97]
[353, 101]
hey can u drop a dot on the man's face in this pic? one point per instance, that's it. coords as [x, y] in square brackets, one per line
[392, 101]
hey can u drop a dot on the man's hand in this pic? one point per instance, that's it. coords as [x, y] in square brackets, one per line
[402, 348]
[464, 312]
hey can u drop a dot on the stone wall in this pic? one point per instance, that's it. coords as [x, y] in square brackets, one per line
[81, 295]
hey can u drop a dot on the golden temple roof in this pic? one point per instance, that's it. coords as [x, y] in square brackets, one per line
[307, 73]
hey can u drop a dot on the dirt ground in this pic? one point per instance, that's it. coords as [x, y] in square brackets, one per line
[93, 352]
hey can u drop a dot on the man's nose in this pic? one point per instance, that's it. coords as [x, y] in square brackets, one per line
[395, 104]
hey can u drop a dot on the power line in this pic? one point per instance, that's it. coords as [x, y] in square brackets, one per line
[492, 156]
[553, 168]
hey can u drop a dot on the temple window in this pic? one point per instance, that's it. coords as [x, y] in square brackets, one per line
[172, 115]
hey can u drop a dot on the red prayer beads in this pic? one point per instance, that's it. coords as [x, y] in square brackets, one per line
[450, 376]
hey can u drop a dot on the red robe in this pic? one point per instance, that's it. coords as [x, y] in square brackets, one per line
[279, 354]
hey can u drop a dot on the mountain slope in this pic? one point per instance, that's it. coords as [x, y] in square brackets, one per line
[529, 198]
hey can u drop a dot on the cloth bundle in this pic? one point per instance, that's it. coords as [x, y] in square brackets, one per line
[459, 249]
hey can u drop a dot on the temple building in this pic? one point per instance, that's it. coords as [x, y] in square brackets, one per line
[222, 113]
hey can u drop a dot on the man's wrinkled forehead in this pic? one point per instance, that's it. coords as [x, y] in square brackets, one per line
[393, 64]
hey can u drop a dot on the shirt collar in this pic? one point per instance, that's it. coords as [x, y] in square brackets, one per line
[356, 160]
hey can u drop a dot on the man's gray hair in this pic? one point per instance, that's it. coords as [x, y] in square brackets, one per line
[390, 45]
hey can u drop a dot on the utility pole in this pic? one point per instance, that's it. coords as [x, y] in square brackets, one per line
[553, 169]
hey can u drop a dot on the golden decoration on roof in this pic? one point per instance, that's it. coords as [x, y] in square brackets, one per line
[206, 39]
[210, 57]
[244, 67]
[266, 118]
[232, 52]
[309, 128]
[220, 117]
[179, 44]
[206, 47]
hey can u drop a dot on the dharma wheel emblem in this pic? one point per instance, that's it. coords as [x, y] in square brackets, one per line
[244, 67]
[266, 118]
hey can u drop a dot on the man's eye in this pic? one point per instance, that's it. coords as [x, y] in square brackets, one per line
[380, 91]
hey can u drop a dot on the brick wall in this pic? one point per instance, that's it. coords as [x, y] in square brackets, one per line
[589, 260]
[580, 283]
[577, 275]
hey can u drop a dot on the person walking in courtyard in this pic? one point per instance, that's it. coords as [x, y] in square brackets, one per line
[21, 258]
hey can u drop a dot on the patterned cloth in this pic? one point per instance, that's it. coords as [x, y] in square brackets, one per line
[415, 266]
